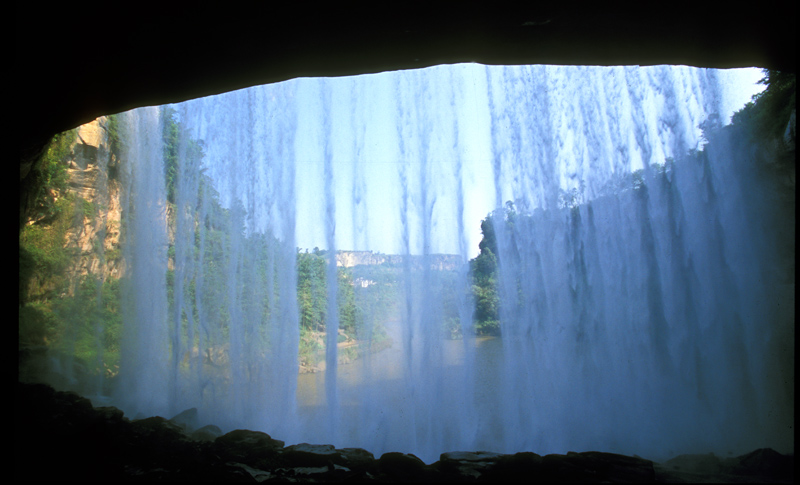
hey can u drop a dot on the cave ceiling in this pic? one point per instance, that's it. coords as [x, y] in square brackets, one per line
[78, 61]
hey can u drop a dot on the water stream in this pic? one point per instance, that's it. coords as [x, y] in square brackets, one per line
[637, 318]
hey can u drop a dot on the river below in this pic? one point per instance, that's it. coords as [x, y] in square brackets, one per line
[391, 400]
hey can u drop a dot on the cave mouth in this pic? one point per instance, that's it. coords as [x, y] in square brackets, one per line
[160, 54]
[605, 205]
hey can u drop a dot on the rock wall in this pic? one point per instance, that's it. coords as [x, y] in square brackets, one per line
[96, 231]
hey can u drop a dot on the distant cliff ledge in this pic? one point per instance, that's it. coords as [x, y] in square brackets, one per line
[441, 262]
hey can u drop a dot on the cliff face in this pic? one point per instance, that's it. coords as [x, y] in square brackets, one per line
[441, 262]
[96, 231]
[70, 264]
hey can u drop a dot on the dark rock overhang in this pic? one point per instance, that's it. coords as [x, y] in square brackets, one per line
[77, 62]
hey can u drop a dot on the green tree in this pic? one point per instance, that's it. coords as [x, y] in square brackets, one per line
[51, 179]
[483, 272]
[311, 290]
[312, 294]
[171, 136]
[767, 115]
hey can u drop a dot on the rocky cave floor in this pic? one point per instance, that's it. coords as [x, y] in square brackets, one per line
[61, 436]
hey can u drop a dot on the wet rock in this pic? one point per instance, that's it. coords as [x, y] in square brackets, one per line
[467, 464]
[611, 467]
[186, 420]
[764, 462]
[110, 414]
[350, 464]
[206, 433]
[306, 471]
[707, 463]
[253, 448]
[402, 466]
[157, 428]
[359, 459]
[308, 455]
[255, 473]
[760, 466]
[78, 442]
[517, 468]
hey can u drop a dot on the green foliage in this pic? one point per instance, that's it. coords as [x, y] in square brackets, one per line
[484, 267]
[77, 317]
[376, 297]
[452, 326]
[489, 241]
[311, 347]
[366, 296]
[312, 295]
[36, 324]
[758, 124]
[171, 135]
[85, 324]
[483, 272]
[52, 178]
[312, 290]
[89, 323]
[113, 133]
[767, 115]
[176, 147]
[87, 209]
[211, 306]
[350, 315]
[42, 255]
[53, 310]
[80, 318]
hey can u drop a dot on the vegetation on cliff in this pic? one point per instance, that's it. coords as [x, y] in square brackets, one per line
[80, 315]
[77, 318]
[63, 309]
[767, 115]
[760, 138]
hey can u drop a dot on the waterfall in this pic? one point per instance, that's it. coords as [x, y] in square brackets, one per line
[635, 313]
[146, 339]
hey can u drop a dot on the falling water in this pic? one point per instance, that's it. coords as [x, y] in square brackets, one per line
[634, 319]
[146, 339]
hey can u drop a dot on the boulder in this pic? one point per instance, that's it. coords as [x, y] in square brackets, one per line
[208, 432]
[358, 459]
[308, 455]
[253, 448]
[695, 463]
[186, 420]
[467, 463]
[611, 467]
[403, 466]
[764, 465]
[764, 462]
[61, 437]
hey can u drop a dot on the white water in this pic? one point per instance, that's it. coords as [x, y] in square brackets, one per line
[639, 325]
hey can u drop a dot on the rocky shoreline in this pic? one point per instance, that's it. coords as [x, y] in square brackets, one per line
[61, 436]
